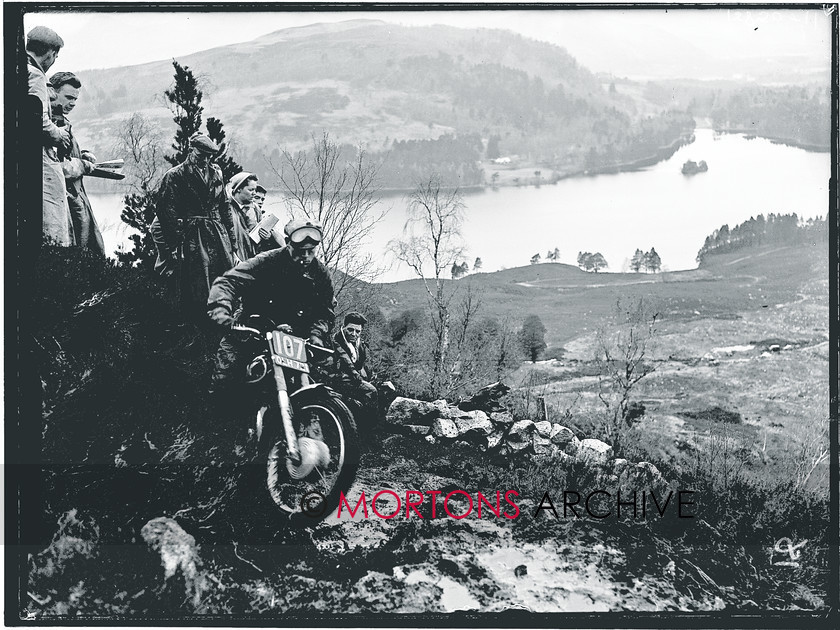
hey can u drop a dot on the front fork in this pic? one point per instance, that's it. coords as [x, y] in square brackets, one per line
[286, 414]
[285, 406]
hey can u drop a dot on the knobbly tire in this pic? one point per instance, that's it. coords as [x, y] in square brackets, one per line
[305, 497]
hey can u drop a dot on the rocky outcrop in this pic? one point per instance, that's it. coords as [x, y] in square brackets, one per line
[178, 557]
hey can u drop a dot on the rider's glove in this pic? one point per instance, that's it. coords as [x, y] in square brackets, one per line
[286, 329]
[221, 316]
[316, 340]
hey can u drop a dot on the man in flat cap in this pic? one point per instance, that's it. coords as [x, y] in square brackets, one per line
[196, 227]
[42, 46]
[76, 165]
[288, 286]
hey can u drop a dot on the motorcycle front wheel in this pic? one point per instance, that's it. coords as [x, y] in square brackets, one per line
[309, 491]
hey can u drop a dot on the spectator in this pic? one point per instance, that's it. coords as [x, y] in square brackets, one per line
[269, 239]
[242, 186]
[259, 199]
[42, 47]
[351, 377]
[196, 227]
[79, 163]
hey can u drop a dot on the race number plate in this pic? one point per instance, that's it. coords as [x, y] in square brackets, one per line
[289, 351]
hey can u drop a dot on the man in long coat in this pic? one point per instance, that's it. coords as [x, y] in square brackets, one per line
[77, 164]
[196, 225]
[42, 46]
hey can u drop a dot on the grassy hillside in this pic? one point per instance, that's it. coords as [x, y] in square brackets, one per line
[571, 301]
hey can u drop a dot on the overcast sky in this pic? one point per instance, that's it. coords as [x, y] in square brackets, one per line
[625, 42]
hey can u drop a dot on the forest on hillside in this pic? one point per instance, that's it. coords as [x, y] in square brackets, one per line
[784, 229]
[798, 114]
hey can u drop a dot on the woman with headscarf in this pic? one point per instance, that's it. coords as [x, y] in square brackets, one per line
[241, 189]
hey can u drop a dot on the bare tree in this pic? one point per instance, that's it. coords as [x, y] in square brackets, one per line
[813, 451]
[342, 194]
[622, 359]
[141, 142]
[432, 243]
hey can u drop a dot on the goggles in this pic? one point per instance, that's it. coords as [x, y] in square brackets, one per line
[305, 236]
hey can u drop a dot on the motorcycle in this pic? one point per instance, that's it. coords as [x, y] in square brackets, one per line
[303, 429]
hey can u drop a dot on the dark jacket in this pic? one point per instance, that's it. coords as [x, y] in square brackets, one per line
[273, 286]
[196, 223]
[345, 366]
[184, 194]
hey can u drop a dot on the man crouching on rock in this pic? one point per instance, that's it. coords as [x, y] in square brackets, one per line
[351, 376]
[288, 286]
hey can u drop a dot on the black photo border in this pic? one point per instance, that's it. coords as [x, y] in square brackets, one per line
[25, 533]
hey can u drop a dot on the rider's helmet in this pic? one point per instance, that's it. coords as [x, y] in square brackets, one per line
[304, 233]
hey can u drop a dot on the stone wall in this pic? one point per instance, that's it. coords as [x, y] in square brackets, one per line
[482, 420]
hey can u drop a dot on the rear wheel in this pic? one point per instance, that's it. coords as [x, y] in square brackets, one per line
[310, 491]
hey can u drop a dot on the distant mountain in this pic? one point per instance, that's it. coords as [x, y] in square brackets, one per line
[425, 97]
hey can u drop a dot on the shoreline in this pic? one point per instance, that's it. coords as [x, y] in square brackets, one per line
[663, 153]
[797, 144]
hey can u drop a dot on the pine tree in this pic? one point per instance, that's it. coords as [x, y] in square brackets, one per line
[185, 102]
[184, 98]
[637, 261]
[652, 261]
[216, 131]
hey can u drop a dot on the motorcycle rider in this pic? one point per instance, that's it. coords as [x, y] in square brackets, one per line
[289, 286]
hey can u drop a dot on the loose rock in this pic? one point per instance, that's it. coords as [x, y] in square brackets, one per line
[520, 431]
[501, 418]
[541, 444]
[572, 447]
[409, 411]
[560, 434]
[543, 428]
[444, 427]
[178, 555]
[594, 451]
[473, 422]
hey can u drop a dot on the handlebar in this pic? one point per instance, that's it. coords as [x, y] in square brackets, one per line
[242, 328]
[323, 349]
[312, 346]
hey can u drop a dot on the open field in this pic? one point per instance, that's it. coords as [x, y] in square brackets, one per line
[711, 349]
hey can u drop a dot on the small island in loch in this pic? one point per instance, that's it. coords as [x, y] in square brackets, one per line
[691, 167]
